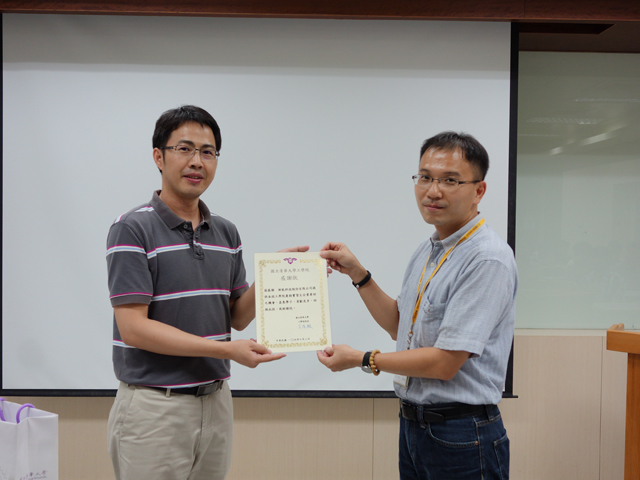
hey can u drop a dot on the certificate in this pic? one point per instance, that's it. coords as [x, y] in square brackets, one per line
[292, 301]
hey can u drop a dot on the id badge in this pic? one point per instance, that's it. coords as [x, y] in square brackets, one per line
[401, 380]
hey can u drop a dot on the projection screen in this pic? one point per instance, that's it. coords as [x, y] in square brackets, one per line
[322, 122]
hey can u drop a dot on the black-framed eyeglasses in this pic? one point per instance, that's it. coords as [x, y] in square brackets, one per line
[425, 181]
[187, 151]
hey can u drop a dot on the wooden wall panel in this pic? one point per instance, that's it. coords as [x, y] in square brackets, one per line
[554, 424]
[568, 423]
[386, 428]
[302, 438]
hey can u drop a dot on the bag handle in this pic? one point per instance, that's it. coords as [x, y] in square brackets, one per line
[26, 405]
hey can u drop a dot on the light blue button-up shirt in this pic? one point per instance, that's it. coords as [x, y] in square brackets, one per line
[469, 305]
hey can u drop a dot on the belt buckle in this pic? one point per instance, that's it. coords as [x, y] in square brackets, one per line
[432, 417]
[208, 389]
[408, 411]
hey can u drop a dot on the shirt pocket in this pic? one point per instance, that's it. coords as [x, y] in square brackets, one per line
[428, 324]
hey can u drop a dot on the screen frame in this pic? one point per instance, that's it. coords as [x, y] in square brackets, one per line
[508, 393]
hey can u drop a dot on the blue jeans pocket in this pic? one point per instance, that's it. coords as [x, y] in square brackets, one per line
[501, 448]
[460, 433]
[495, 454]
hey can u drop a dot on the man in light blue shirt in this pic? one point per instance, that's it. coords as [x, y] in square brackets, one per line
[453, 322]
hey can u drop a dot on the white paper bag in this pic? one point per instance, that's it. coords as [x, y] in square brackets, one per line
[28, 443]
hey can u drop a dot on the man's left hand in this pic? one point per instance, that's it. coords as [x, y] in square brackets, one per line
[340, 357]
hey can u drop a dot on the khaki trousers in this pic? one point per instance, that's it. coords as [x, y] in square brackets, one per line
[181, 437]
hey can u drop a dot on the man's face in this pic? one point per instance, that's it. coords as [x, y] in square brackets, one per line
[448, 209]
[186, 178]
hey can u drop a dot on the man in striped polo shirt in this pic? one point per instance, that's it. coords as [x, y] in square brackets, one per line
[177, 286]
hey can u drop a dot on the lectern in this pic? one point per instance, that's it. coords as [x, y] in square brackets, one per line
[629, 342]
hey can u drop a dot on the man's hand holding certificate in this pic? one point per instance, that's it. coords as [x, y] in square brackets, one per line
[292, 301]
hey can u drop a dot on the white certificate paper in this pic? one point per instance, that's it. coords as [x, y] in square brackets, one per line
[292, 301]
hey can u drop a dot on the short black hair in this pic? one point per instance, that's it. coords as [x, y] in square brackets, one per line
[172, 119]
[471, 149]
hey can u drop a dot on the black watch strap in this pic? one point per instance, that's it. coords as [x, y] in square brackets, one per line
[363, 282]
[366, 366]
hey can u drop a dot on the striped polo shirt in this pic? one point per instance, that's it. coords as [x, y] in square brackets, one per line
[186, 276]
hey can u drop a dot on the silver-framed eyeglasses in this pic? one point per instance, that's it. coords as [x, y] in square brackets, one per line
[444, 183]
[187, 151]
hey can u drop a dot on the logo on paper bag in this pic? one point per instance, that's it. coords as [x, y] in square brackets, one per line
[34, 476]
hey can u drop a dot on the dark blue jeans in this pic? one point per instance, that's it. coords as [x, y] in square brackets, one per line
[470, 448]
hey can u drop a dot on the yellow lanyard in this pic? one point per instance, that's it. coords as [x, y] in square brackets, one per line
[423, 288]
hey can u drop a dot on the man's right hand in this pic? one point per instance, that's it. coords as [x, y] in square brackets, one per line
[340, 258]
[382, 307]
[250, 353]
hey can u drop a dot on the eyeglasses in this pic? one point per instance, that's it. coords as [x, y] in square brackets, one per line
[444, 183]
[187, 152]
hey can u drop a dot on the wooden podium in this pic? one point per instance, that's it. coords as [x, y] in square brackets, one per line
[629, 342]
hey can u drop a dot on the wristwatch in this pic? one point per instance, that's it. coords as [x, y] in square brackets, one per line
[366, 366]
[362, 282]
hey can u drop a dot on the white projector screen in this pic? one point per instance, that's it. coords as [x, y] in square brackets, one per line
[322, 122]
